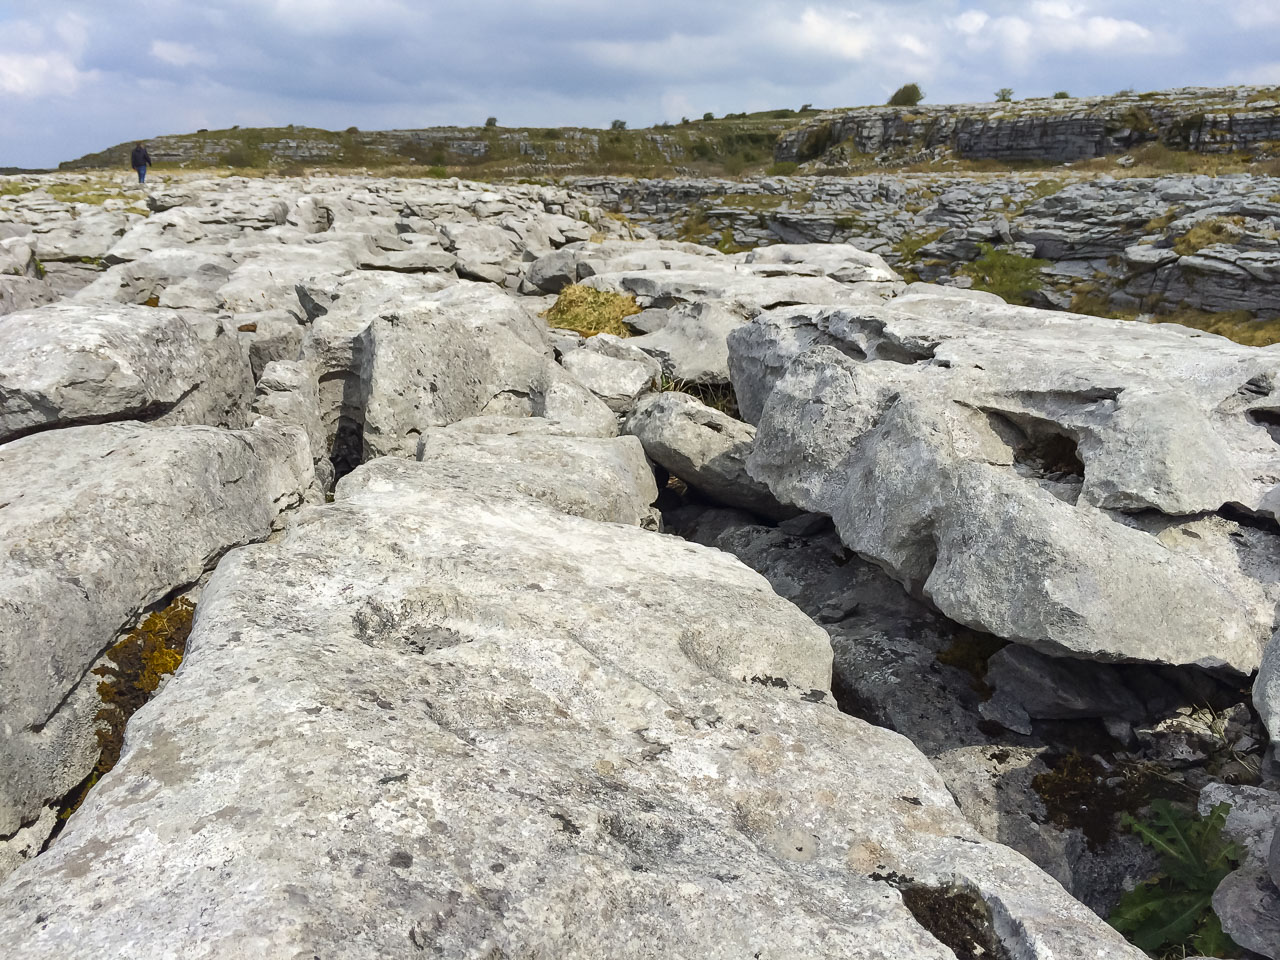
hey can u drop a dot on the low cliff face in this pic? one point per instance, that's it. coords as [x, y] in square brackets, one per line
[1190, 245]
[1218, 120]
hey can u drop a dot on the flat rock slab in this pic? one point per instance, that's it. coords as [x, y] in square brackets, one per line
[98, 523]
[70, 363]
[605, 479]
[434, 722]
[1067, 482]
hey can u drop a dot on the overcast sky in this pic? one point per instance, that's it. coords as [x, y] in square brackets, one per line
[80, 75]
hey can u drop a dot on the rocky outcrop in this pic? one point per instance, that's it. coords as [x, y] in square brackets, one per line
[1205, 120]
[100, 523]
[449, 690]
[1062, 499]
[1101, 245]
[73, 363]
[474, 728]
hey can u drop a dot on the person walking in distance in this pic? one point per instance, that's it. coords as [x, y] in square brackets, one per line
[140, 160]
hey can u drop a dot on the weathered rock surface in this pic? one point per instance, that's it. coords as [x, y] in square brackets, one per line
[1033, 482]
[99, 523]
[474, 730]
[71, 363]
[600, 479]
[704, 447]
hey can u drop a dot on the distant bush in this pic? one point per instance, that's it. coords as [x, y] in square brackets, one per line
[1062, 95]
[491, 122]
[437, 173]
[783, 169]
[353, 129]
[1004, 95]
[907, 95]
[806, 108]
[708, 115]
[618, 125]
[239, 156]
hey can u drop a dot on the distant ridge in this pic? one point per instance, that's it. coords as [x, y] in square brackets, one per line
[1039, 130]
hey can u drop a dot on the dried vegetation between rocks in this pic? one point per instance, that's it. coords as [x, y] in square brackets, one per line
[135, 668]
[588, 311]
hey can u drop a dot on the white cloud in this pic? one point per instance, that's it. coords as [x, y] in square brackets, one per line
[1056, 26]
[839, 35]
[971, 22]
[37, 75]
[179, 54]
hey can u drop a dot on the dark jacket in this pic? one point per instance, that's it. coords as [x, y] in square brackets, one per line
[140, 158]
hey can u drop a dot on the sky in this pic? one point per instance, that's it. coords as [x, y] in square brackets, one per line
[78, 76]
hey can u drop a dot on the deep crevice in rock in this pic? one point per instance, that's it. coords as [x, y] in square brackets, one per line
[955, 917]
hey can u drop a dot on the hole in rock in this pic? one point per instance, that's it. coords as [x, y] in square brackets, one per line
[957, 919]
[135, 667]
[348, 447]
[1042, 450]
[1269, 420]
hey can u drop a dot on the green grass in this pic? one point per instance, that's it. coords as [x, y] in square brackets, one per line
[1012, 277]
[11, 189]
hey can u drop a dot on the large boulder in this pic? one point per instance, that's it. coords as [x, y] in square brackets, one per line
[392, 366]
[704, 447]
[99, 523]
[431, 720]
[1079, 485]
[692, 343]
[71, 363]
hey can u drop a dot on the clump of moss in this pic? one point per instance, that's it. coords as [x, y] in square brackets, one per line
[1207, 233]
[1011, 277]
[908, 248]
[957, 918]
[135, 667]
[1078, 791]
[970, 651]
[589, 311]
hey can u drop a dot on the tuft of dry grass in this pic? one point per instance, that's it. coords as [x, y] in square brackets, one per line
[1208, 232]
[588, 311]
[1237, 325]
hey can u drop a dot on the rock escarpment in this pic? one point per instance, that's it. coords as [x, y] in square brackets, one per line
[449, 689]
[1204, 120]
[1135, 245]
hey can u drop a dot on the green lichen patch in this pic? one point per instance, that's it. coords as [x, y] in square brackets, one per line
[588, 311]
